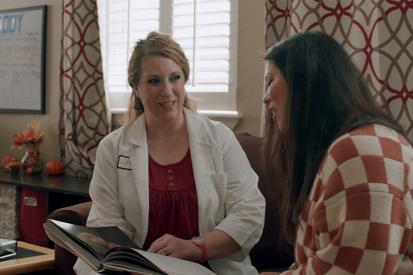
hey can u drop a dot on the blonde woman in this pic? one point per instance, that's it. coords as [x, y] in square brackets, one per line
[175, 182]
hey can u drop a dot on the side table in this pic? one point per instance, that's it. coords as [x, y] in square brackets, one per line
[29, 258]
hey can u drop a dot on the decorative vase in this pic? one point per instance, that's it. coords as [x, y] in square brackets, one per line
[31, 162]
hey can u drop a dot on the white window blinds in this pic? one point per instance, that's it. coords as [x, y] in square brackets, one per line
[204, 28]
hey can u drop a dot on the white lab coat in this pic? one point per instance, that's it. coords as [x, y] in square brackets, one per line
[227, 190]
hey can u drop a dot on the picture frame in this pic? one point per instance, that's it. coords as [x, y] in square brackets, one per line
[22, 60]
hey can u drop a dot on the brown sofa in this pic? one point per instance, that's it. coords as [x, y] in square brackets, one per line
[265, 255]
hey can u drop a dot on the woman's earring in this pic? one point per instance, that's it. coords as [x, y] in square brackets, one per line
[138, 104]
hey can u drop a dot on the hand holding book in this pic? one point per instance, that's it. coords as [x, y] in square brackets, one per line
[108, 248]
[172, 246]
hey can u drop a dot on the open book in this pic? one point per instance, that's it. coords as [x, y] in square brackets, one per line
[108, 248]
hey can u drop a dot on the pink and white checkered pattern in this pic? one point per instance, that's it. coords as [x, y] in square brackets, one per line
[359, 217]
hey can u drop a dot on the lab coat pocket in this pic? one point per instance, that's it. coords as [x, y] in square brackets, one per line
[219, 192]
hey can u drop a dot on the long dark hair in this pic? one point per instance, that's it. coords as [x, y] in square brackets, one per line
[327, 97]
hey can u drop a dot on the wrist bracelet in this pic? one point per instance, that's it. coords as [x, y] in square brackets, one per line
[201, 245]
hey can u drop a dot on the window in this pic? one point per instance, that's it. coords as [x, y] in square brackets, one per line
[206, 30]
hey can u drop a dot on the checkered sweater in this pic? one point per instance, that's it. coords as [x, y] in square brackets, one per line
[359, 216]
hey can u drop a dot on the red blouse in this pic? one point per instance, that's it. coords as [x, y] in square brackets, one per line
[173, 202]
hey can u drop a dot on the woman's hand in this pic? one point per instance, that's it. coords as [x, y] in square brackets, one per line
[218, 244]
[175, 247]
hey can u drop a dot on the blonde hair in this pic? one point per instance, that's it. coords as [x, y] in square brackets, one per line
[155, 44]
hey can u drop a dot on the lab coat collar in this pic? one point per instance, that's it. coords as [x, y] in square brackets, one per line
[137, 132]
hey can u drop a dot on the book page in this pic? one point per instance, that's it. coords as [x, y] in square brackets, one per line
[130, 257]
[60, 238]
[126, 267]
[175, 266]
[99, 240]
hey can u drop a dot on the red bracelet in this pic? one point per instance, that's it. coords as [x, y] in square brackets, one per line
[201, 245]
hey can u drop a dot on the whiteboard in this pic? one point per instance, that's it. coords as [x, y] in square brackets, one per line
[22, 60]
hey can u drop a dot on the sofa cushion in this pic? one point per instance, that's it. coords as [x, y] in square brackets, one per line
[75, 214]
[265, 255]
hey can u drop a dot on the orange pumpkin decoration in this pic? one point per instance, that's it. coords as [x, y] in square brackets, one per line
[55, 168]
[7, 161]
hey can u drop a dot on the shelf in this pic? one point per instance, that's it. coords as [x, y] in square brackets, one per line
[58, 184]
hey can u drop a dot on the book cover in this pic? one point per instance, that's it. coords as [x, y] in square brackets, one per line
[8, 248]
[108, 248]
[32, 215]
[9, 222]
[8, 244]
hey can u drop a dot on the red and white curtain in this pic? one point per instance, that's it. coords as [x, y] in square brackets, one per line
[84, 114]
[378, 35]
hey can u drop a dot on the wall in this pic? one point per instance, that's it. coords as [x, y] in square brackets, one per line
[251, 49]
[250, 76]
[13, 123]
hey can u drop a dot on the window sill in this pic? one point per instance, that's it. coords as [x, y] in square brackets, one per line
[229, 118]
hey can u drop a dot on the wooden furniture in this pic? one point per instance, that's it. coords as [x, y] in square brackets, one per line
[61, 190]
[29, 199]
[29, 258]
[58, 184]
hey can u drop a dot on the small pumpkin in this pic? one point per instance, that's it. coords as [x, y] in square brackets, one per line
[55, 168]
[7, 161]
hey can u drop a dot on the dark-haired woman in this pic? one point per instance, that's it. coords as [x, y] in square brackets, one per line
[345, 167]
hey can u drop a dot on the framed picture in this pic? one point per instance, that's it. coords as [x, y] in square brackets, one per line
[22, 60]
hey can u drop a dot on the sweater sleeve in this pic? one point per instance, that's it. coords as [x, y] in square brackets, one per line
[359, 218]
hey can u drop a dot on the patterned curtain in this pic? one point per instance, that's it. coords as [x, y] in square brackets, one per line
[84, 115]
[378, 35]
